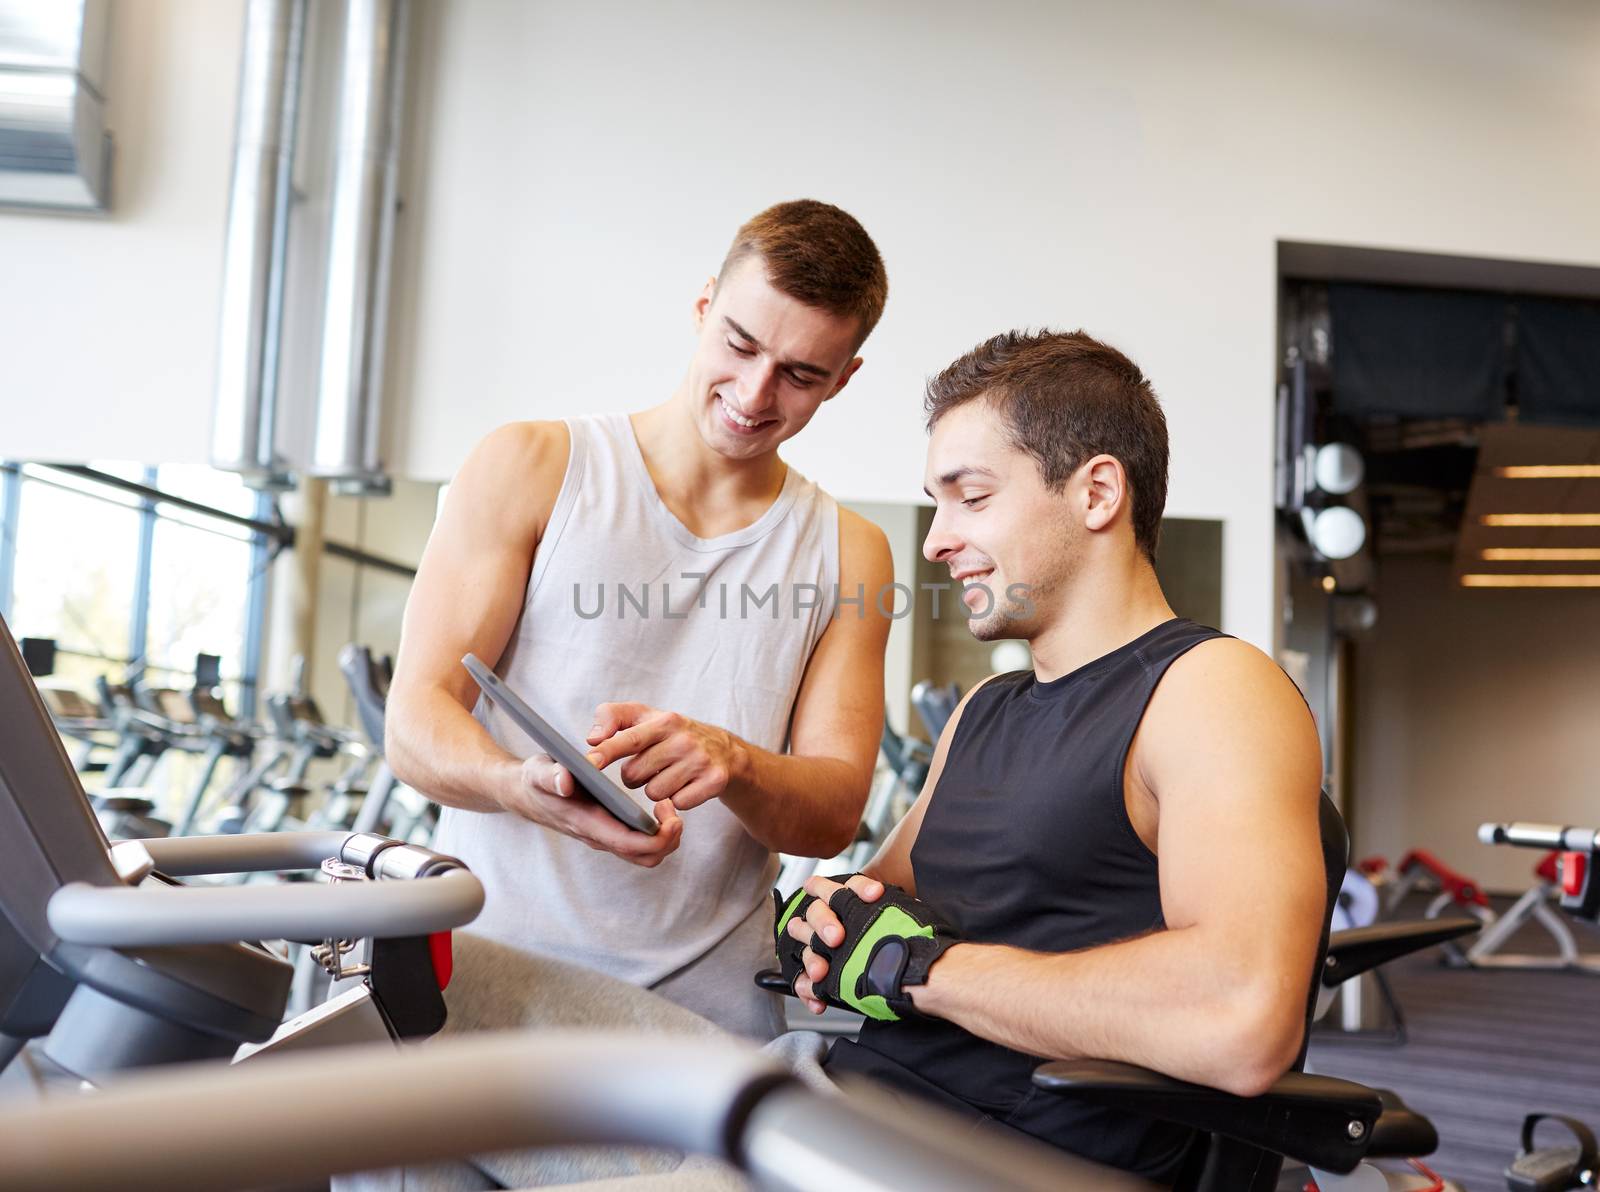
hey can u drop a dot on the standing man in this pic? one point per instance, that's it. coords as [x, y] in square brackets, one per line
[661, 585]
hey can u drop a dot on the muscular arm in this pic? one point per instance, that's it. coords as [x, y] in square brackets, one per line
[467, 597]
[808, 801]
[1230, 754]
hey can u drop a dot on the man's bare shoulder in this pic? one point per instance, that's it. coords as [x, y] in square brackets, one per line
[863, 546]
[513, 476]
[1225, 702]
[866, 569]
[1229, 658]
[1224, 676]
[521, 448]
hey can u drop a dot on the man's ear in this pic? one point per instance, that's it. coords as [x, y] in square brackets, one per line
[1106, 490]
[844, 378]
[703, 302]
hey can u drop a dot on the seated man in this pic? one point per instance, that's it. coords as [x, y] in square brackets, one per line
[1116, 854]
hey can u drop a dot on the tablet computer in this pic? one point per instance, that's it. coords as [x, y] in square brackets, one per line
[590, 780]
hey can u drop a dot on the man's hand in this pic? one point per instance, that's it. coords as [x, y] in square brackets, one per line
[546, 793]
[819, 918]
[670, 756]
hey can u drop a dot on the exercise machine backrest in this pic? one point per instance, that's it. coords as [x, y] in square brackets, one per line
[48, 837]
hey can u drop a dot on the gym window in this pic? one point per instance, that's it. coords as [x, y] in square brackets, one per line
[126, 582]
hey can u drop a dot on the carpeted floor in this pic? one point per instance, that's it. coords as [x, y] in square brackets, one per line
[1484, 1048]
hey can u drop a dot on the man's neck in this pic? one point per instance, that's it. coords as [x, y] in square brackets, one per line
[1107, 609]
[710, 493]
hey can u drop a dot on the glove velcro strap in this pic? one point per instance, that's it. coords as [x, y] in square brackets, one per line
[886, 944]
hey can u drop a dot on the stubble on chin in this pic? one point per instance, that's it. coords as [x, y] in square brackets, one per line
[997, 626]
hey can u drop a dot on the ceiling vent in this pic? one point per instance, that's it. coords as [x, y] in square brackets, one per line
[55, 153]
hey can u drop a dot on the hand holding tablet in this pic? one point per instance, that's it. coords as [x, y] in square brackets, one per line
[590, 780]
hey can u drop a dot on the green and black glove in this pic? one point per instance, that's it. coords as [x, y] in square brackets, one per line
[888, 945]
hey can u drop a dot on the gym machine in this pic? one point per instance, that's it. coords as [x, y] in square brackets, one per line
[111, 963]
[124, 812]
[389, 806]
[305, 1117]
[935, 705]
[1421, 870]
[1577, 891]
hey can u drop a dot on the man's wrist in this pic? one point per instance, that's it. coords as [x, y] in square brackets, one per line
[503, 784]
[940, 994]
[741, 766]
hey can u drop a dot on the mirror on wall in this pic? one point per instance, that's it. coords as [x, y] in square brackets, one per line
[930, 642]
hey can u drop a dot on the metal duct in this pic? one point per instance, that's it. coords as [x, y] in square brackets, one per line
[348, 447]
[54, 149]
[246, 399]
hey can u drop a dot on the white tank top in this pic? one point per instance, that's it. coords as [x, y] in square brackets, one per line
[729, 649]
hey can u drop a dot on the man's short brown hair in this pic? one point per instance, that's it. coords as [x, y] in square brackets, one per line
[1065, 398]
[818, 255]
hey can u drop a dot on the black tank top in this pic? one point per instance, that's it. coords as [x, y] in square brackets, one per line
[1026, 841]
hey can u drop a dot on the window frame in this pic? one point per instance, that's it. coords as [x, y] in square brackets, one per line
[266, 531]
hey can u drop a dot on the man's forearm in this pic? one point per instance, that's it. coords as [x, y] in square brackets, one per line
[435, 746]
[808, 806]
[1171, 1001]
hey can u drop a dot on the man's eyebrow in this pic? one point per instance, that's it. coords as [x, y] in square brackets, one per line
[956, 475]
[792, 365]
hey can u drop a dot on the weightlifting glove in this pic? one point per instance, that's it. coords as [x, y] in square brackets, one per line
[888, 945]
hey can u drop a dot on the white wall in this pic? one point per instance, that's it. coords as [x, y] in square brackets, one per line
[578, 168]
[108, 324]
[1472, 706]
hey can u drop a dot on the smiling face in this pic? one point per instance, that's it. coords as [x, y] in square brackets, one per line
[764, 362]
[996, 525]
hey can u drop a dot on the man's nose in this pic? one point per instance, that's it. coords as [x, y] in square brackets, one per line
[755, 386]
[941, 542]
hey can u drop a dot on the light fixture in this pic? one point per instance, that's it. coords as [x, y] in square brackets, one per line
[1541, 554]
[1530, 581]
[1337, 468]
[1329, 584]
[1540, 519]
[1337, 532]
[1549, 472]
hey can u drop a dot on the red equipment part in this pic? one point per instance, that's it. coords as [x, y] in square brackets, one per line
[1462, 889]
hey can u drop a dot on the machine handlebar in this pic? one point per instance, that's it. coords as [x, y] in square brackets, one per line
[1542, 836]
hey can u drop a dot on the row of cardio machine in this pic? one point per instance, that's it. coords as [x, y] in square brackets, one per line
[144, 1039]
[238, 775]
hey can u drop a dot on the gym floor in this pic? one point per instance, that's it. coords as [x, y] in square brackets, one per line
[1483, 1049]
